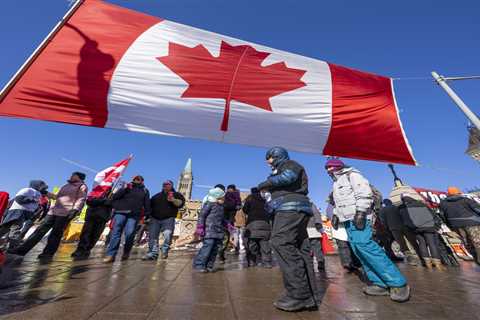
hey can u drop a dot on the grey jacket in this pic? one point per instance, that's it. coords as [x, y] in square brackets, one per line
[351, 193]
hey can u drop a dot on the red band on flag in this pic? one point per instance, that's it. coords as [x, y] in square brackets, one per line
[69, 81]
[364, 114]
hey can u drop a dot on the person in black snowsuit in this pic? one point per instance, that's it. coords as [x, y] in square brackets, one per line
[258, 231]
[286, 191]
[391, 219]
[98, 213]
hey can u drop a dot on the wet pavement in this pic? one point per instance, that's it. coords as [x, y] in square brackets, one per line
[167, 289]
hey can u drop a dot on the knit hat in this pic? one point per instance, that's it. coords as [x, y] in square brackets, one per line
[452, 191]
[81, 175]
[336, 163]
[170, 182]
[215, 194]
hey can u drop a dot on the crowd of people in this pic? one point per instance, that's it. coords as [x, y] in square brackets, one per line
[277, 220]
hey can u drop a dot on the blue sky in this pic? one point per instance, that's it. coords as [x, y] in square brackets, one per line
[398, 39]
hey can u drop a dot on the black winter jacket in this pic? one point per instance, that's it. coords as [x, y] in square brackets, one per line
[258, 224]
[288, 185]
[460, 211]
[390, 218]
[131, 200]
[99, 208]
[161, 208]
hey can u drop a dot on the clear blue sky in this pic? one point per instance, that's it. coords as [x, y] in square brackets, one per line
[393, 38]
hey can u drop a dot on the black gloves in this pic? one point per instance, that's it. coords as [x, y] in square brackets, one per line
[360, 220]
[335, 222]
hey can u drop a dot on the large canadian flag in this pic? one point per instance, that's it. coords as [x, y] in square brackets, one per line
[115, 68]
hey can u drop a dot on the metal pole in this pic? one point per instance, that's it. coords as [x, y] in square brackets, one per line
[465, 109]
[10, 84]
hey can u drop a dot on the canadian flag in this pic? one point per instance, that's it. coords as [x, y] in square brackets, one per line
[115, 68]
[105, 179]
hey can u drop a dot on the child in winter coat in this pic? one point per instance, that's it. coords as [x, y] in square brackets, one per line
[211, 227]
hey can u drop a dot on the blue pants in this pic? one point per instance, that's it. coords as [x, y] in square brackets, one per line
[126, 224]
[379, 268]
[206, 256]
[166, 226]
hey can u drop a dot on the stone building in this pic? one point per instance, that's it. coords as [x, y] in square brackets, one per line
[186, 225]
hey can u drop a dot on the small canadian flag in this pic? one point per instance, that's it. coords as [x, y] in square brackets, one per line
[115, 68]
[106, 179]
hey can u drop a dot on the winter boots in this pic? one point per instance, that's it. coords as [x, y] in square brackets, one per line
[401, 294]
[374, 290]
[428, 263]
[411, 259]
[285, 303]
[437, 263]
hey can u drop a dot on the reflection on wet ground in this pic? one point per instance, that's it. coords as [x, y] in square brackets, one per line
[167, 289]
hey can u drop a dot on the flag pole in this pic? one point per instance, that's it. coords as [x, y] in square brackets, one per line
[442, 81]
[11, 83]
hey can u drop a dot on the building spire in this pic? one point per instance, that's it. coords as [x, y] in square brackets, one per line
[185, 182]
[188, 166]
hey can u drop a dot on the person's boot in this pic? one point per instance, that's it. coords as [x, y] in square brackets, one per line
[428, 263]
[401, 294]
[411, 259]
[373, 290]
[164, 255]
[150, 257]
[108, 259]
[321, 266]
[45, 256]
[437, 263]
[285, 303]
[267, 265]
[125, 256]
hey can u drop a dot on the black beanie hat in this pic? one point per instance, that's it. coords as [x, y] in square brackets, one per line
[81, 175]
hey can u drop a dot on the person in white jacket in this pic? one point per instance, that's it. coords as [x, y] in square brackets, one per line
[353, 200]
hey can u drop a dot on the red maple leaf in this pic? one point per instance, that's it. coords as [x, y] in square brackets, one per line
[236, 74]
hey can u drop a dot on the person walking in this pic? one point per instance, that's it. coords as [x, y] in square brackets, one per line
[23, 208]
[286, 190]
[315, 234]
[353, 197]
[98, 213]
[391, 219]
[258, 231]
[211, 226]
[417, 217]
[69, 202]
[128, 204]
[164, 210]
[463, 216]
[348, 259]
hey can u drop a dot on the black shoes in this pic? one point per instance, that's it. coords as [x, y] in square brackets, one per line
[79, 255]
[285, 303]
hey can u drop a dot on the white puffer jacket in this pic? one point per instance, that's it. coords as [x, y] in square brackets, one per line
[351, 193]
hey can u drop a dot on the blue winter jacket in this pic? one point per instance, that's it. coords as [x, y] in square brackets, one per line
[289, 188]
[213, 218]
